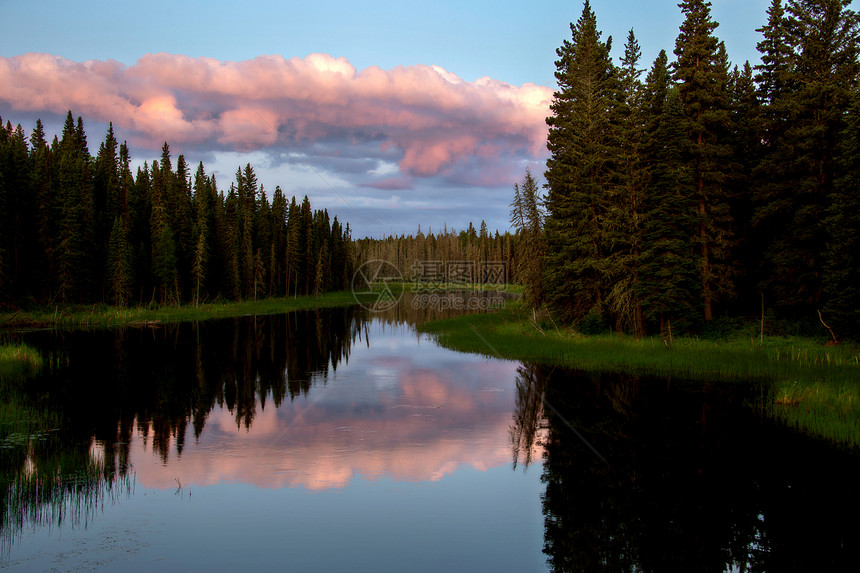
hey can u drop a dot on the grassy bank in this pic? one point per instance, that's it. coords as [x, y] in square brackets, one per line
[815, 388]
[104, 315]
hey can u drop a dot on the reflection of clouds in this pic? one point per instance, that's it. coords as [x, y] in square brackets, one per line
[422, 426]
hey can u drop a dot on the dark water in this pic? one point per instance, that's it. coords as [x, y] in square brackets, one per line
[337, 440]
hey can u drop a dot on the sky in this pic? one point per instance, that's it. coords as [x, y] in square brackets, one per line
[390, 115]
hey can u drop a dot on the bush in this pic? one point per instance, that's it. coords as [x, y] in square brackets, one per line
[592, 323]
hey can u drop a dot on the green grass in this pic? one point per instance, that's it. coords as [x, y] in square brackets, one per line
[105, 316]
[814, 388]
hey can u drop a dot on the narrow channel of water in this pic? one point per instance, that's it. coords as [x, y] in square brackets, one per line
[338, 439]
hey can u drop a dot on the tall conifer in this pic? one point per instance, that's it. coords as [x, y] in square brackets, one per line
[581, 174]
[702, 76]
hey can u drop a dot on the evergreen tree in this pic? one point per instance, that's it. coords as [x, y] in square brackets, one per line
[582, 172]
[622, 300]
[164, 265]
[106, 204]
[842, 256]
[668, 283]
[119, 265]
[702, 76]
[810, 67]
[527, 218]
[75, 245]
[198, 270]
[322, 270]
[48, 214]
[745, 139]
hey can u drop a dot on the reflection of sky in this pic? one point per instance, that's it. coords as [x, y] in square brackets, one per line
[402, 408]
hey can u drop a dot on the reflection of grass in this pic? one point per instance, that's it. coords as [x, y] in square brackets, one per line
[18, 361]
[103, 315]
[825, 408]
[815, 388]
[20, 422]
[65, 488]
[41, 481]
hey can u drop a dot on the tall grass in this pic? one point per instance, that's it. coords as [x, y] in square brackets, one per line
[106, 316]
[814, 388]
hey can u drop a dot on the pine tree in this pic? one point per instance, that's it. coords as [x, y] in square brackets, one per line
[278, 243]
[47, 210]
[119, 265]
[668, 284]
[809, 74]
[322, 268]
[745, 138]
[164, 265]
[527, 218]
[582, 173]
[106, 204]
[626, 213]
[75, 246]
[842, 255]
[291, 253]
[702, 76]
[198, 270]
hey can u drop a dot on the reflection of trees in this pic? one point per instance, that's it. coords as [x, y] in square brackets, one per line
[157, 381]
[101, 387]
[420, 305]
[693, 482]
[529, 419]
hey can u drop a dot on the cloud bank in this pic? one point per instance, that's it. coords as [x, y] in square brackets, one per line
[427, 121]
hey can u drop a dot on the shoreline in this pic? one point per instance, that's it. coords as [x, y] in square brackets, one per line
[812, 387]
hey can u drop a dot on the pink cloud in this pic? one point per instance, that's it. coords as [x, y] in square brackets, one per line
[391, 184]
[433, 119]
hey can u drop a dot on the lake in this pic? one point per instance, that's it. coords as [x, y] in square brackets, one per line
[344, 440]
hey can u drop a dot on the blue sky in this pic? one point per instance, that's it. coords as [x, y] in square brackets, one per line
[377, 174]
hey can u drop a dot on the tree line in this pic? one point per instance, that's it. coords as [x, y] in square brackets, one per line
[77, 228]
[471, 256]
[704, 189]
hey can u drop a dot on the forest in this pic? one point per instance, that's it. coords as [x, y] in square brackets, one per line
[78, 229]
[81, 229]
[697, 191]
[704, 190]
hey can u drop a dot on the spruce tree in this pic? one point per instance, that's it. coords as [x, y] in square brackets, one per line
[75, 246]
[164, 265]
[581, 175]
[47, 209]
[119, 265]
[842, 255]
[668, 284]
[626, 213]
[702, 76]
[527, 218]
[810, 67]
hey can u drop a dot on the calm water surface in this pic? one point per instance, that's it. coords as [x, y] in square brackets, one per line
[337, 440]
